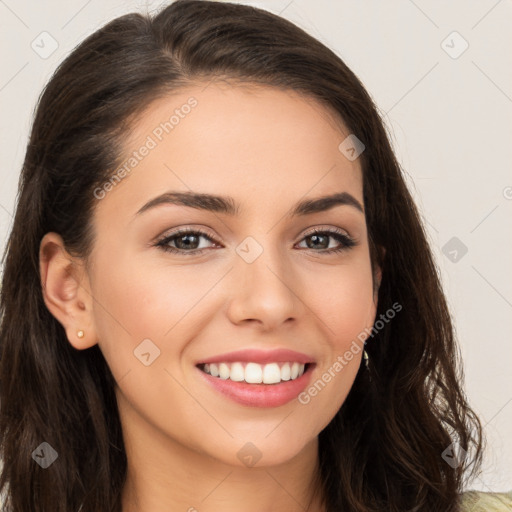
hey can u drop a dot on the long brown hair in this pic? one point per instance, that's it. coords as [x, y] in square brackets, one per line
[384, 448]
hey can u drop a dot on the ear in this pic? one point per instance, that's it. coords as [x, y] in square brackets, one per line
[66, 291]
[376, 284]
[377, 274]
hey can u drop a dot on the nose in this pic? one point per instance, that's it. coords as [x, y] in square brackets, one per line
[264, 292]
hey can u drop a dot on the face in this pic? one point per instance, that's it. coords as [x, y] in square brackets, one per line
[260, 283]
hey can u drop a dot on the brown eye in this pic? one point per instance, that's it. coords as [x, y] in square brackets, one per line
[185, 241]
[322, 240]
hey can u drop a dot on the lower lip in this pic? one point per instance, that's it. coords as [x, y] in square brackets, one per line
[260, 395]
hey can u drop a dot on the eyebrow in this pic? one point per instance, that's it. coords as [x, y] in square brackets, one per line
[222, 204]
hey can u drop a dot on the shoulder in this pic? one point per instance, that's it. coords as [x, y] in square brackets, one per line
[475, 501]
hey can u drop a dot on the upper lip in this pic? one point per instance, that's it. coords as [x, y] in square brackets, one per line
[260, 356]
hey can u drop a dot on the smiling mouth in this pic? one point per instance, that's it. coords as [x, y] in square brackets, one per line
[255, 373]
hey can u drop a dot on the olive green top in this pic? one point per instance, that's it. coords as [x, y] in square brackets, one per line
[476, 501]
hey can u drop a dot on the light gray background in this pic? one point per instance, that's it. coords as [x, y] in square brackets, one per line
[449, 120]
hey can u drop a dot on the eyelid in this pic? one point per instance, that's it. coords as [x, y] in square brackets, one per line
[188, 228]
[322, 229]
[348, 241]
[204, 231]
[340, 235]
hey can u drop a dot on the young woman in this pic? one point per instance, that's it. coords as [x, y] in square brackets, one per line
[218, 292]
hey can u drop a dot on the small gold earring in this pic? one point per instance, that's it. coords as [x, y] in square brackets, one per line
[80, 334]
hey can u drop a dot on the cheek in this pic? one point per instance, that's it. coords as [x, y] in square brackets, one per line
[342, 299]
[351, 313]
[343, 302]
[136, 301]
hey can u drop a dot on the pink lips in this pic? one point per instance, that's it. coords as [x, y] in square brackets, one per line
[260, 357]
[260, 395]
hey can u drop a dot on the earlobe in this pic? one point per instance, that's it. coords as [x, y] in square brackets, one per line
[64, 295]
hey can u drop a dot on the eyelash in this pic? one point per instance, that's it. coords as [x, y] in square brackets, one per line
[346, 241]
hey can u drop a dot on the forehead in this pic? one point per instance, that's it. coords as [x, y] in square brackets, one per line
[251, 141]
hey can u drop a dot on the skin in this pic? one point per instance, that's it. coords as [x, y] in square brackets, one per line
[267, 149]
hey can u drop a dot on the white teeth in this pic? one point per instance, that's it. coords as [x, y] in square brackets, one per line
[294, 371]
[271, 373]
[237, 372]
[285, 372]
[214, 370]
[223, 371]
[254, 373]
